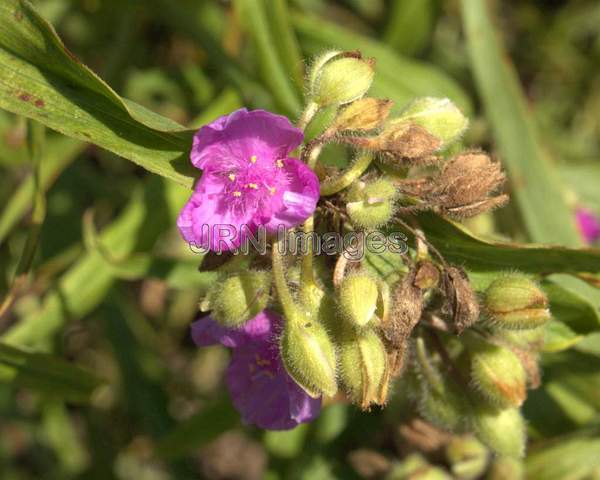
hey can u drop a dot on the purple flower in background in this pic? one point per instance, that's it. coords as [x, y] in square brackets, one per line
[260, 388]
[248, 180]
[589, 224]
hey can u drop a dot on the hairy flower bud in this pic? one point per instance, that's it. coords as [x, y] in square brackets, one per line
[439, 116]
[341, 78]
[399, 142]
[357, 296]
[309, 355]
[461, 298]
[441, 401]
[363, 362]
[497, 373]
[506, 468]
[516, 302]
[371, 204]
[239, 297]
[465, 186]
[362, 115]
[501, 430]
[467, 457]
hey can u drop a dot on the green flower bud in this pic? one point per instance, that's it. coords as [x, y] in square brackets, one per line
[441, 400]
[497, 373]
[501, 430]
[340, 79]
[309, 355]
[415, 467]
[239, 297]
[439, 116]
[357, 296]
[467, 457]
[363, 362]
[371, 204]
[516, 302]
[506, 468]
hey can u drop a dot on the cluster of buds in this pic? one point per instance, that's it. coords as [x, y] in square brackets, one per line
[466, 357]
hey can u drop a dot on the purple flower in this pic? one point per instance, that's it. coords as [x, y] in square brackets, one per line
[258, 383]
[248, 180]
[589, 224]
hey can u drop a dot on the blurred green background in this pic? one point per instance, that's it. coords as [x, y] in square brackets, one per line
[113, 289]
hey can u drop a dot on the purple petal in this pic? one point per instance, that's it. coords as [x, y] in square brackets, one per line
[589, 225]
[303, 407]
[243, 134]
[207, 221]
[300, 198]
[261, 328]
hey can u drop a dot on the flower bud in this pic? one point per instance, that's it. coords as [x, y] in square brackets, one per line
[467, 457]
[342, 79]
[516, 302]
[371, 203]
[501, 430]
[362, 367]
[357, 296]
[439, 116]
[461, 298]
[441, 401]
[506, 468]
[497, 373]
[309, 355]
[362, 115]
[239, 297]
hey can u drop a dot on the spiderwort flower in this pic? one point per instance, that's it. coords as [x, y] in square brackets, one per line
[589, 224]
[261, 389]
[248, 180]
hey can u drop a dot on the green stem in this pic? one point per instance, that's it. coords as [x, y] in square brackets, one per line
[329, 187]
[281, 286]
[307, 274]
[307, 115]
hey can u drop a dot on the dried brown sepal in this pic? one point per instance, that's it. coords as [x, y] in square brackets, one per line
[400, 141]
[405, 313]
[460, 298]
[530, 362]
[363, 115]
[369, 464]
[427, 275]
[466, 186]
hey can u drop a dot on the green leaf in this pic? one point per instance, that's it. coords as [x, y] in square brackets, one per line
[81, 288]
[46, 374]
[42, 80]
[398, 78]
[559, 337]
[410, 25]
[198, 430]
[271, 65]
[59, 153]
[536, 187]
[460, 246]
[576, 456]
[572, 302]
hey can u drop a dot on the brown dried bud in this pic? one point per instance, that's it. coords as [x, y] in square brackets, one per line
[363, 115]
[427, 275]
[461, 298]
[369, 464]
[465, 185]
[406, 309]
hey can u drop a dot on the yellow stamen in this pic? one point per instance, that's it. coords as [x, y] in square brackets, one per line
[237, 194]
[231, 177]
[272, 190]
[253, 158]
[279, 163]
[253, 186]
